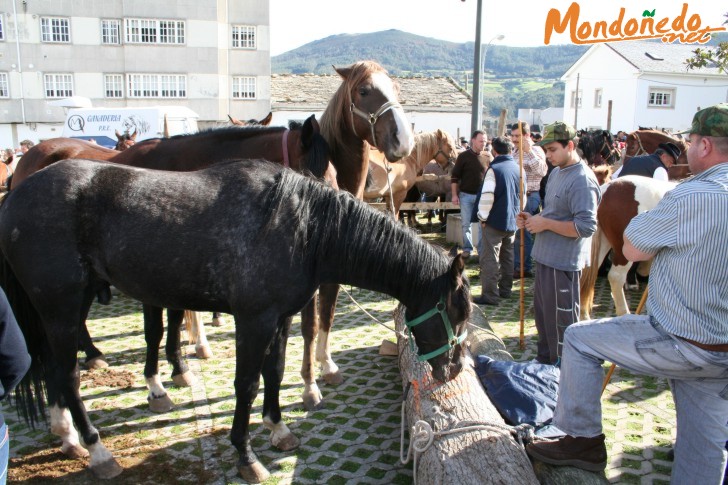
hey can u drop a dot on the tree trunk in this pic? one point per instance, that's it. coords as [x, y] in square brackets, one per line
[483, 456]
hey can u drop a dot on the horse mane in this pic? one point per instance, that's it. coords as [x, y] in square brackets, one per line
[324, 223]
[334, 117]
[425, 143]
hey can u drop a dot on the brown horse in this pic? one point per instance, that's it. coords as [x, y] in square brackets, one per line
[645, 142]
[301, 148]
[622, 199]
[125, 140]
[363, 112]
[252, 122]
[392, 182]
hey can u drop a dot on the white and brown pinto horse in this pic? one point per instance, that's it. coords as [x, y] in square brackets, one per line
[393, 181]
[622, 199]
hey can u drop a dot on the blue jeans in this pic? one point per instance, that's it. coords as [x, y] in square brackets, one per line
[4, 453]
[698, 378]
[467, 207]
[533, 207]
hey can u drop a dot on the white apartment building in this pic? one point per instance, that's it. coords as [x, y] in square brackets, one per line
[212, 56]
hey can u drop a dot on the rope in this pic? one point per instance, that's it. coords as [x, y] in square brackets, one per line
[389, 186]
[395, 331]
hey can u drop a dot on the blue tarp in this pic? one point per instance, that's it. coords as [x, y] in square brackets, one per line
[522, 392]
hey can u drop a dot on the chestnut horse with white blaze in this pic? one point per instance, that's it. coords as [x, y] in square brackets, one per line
[622, 199]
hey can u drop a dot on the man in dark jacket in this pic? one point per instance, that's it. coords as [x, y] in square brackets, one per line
[653, 166]
[14, 363]
[497, 207]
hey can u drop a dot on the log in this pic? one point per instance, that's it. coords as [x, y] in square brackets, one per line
[482, 456]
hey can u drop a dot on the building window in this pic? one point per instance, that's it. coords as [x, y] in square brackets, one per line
[110, 32]
[4, 86]
[661, 98]
[597, 98]
[244, 87]
[148, 31]
[58, 85]
[113, 85]
[244, 36]
[2, 26]
[156, 86]
[53, 29]
[574, 99]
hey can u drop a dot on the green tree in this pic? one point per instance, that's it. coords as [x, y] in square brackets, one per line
[717, 55]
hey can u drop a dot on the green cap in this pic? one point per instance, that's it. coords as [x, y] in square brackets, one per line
[711, 121]
[558, 131]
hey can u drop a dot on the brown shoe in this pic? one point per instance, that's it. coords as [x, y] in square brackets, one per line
[585, 453]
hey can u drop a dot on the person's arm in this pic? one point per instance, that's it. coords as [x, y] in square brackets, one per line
[487, 196]
[537, 223]
[455, 187]
[14, 358]
[632, 253]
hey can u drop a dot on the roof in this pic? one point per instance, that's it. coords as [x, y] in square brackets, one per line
[659, 57]
[314, 91]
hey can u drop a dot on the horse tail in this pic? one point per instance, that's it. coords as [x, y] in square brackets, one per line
[30, 395]
[191, 323]
[589, 275]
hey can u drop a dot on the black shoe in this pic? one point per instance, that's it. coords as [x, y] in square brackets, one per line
[505, 294]
[482, 300]
[585, 453]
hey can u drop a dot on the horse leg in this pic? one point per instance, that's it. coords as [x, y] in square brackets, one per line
[253, 338]
[273, 368]
[617, 276]
[94, 357]
[159, 401]
[217, 319]
[309, 328]
[64, 381]
[328, 293]
[196, 334]
[630, 282]
[181, 374]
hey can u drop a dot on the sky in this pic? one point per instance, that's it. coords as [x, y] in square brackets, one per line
[294, 23]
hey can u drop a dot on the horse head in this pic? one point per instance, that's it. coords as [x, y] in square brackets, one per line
[645, 142]
[252, 122]
[597, 147]
[446, 153]
[124, 140]
[440, 330]
[373, 110]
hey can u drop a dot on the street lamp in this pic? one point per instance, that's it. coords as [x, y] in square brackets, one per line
[498, 37]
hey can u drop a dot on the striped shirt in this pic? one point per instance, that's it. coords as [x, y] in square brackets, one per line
[688, 231]
[534, 163]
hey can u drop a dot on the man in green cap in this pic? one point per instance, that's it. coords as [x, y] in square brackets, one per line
[563, 244]
[685, 336]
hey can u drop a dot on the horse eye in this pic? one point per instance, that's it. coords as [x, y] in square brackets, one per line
[363, 91]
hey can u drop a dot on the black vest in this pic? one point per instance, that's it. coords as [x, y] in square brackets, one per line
[644, 165]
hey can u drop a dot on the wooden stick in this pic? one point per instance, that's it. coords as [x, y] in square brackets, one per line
[522, 337]
[640, 306]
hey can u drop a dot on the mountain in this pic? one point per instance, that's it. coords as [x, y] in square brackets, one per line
[404, 54]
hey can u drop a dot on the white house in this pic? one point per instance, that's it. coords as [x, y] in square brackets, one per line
[647, 84]
[430, 103]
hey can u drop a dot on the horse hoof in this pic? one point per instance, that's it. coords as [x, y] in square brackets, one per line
[74, 451]
[161, 404]
[333, 379]
[107, 469]
[97, 363]
[186, 379]
[312, 403]
[253, 473]
[217, 322]
[288, 443]
[203, 351]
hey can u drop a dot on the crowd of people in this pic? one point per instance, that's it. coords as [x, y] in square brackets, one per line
[684, 335]
[10, 156]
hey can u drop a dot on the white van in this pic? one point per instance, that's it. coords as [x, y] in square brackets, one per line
[101, 124]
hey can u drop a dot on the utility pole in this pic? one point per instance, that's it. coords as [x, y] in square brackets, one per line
[475, 123]
[576, 103]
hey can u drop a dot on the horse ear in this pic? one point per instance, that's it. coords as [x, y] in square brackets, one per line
[118, 135]
[132, 137]
[344, 72]
[266, 121]
[456, 270]
[309, 129]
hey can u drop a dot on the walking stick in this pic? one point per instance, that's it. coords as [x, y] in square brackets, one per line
[640, 306]
[521, 338]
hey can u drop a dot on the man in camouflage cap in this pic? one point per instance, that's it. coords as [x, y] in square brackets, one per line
[685, 336]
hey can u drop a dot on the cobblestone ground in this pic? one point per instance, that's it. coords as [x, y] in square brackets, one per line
[355, 438]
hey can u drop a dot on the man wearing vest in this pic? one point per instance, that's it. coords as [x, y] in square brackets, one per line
[497, 208]
[653, 166]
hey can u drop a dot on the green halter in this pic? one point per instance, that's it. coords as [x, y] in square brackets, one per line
[452, 340]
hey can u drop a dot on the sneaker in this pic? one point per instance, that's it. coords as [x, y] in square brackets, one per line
[585, 453]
